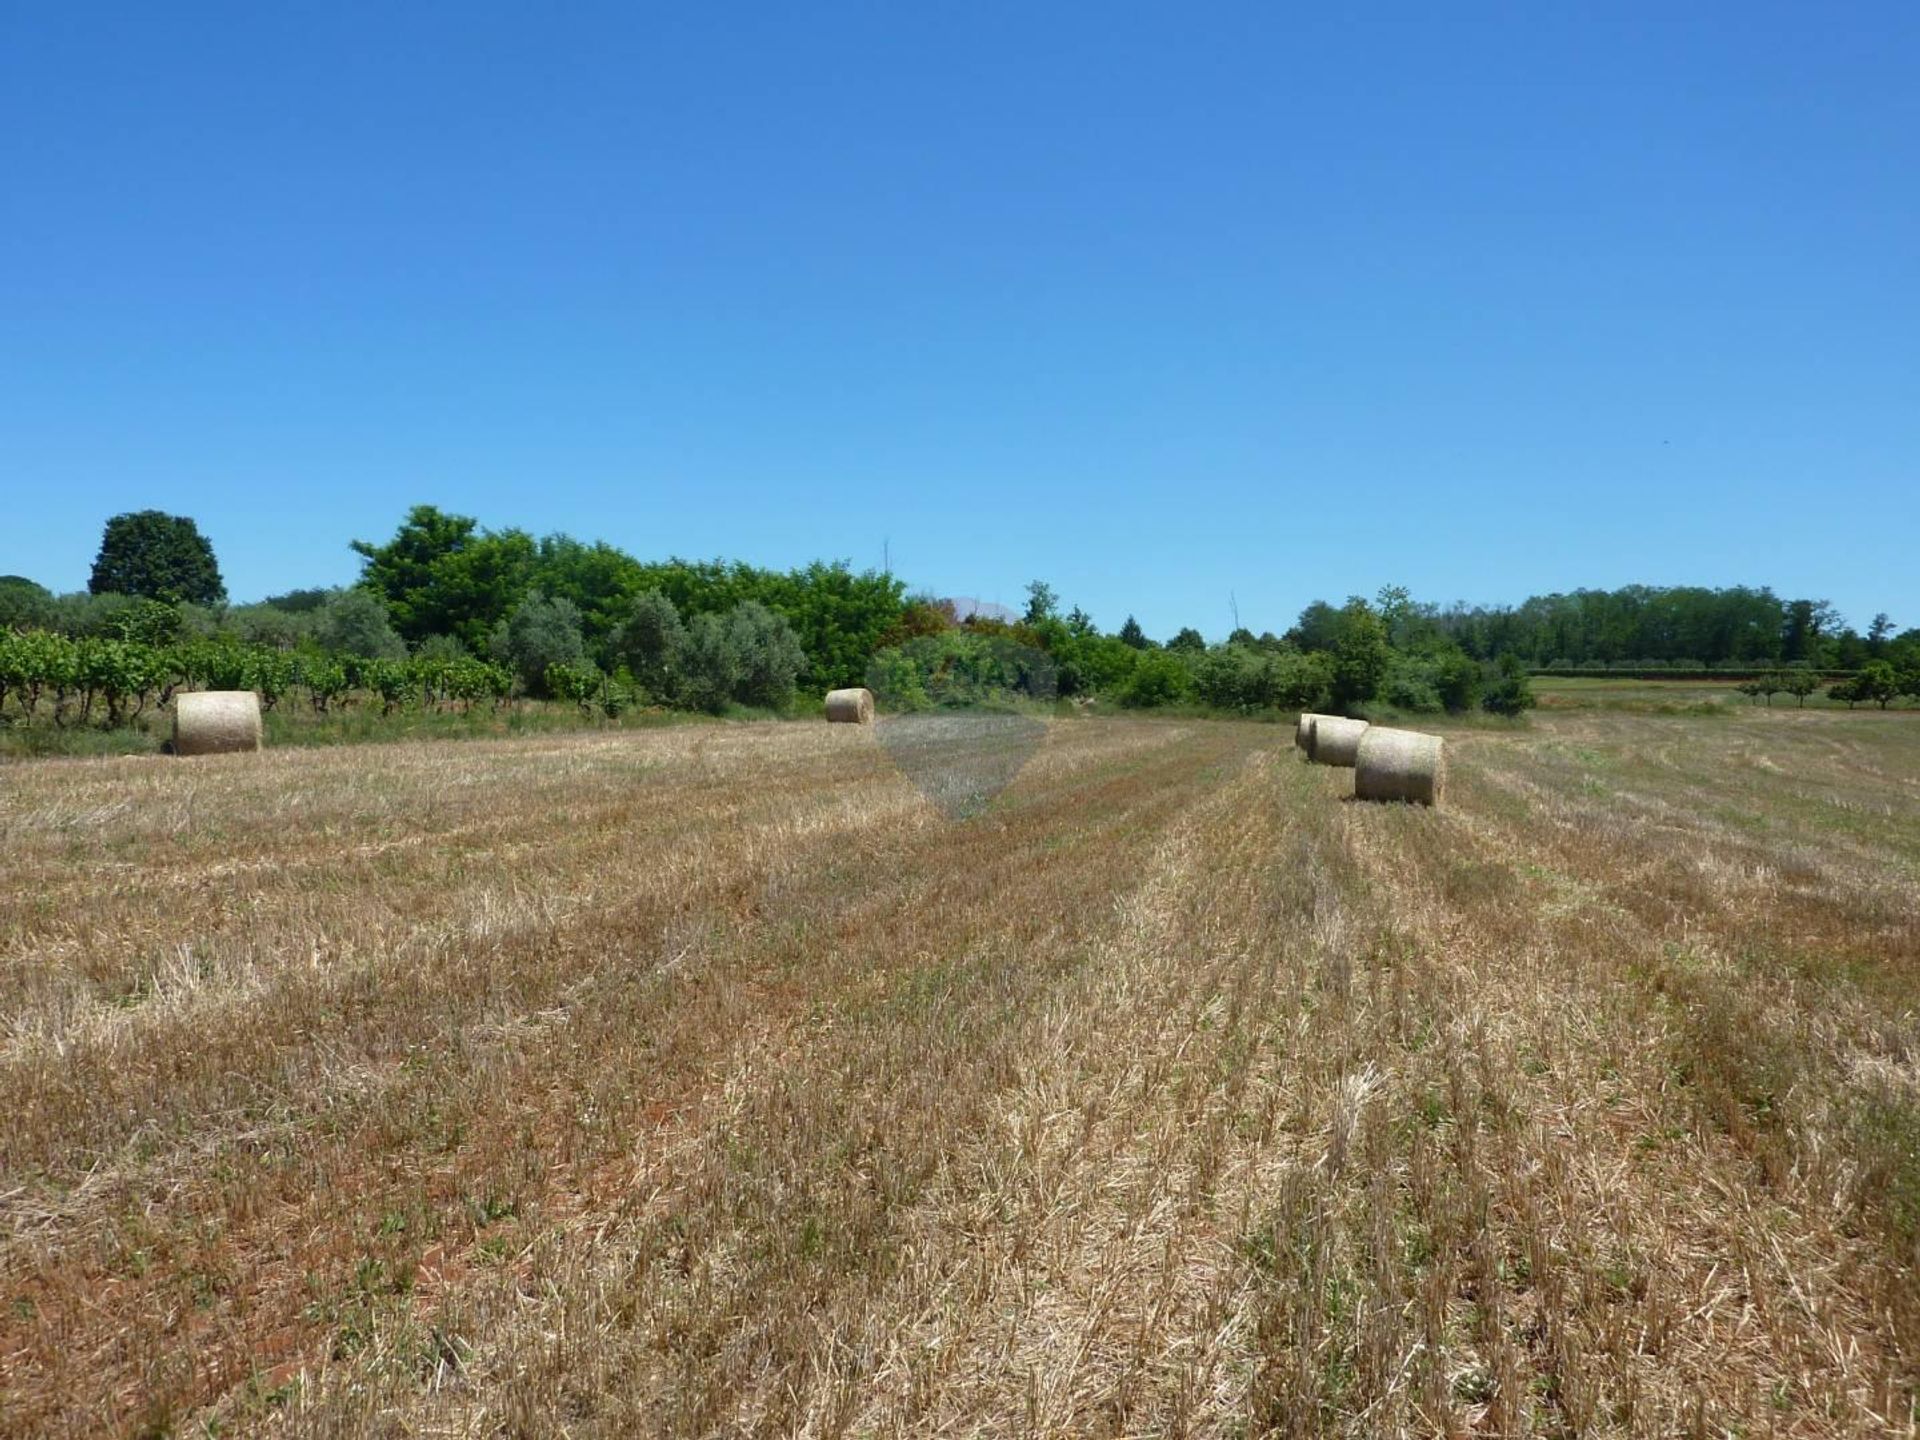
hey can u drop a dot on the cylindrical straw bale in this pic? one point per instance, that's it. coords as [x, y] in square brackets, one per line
[850, 707]
[1400, 765]
[215, 722]
[1303, 733]
[1335, 740]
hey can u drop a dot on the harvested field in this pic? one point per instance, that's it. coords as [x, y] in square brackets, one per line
[714, 1081]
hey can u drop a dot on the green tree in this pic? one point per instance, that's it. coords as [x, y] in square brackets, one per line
[441, 575]
[354, 621]
[1318, 628]
[1132, 636]
[1801, 681]
[541, 632]
[1189, 642]
[1877, 634]
[1157, 679]
[1042, 602]
[24, 605]
[1360, 655]
[1510, 693]
[710, 667]
[158, 556]
[1877, 681]
[652, 643]
[767, 653]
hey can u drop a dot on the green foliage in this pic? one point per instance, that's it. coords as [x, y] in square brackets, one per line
[651, 642]
[540, 633]
[1188, 642]
[23, 604]
[1318, 628]
[1411, 683]
[1877, 681]
[767, 653]
[1360, 655]
[441, 575]
[157, 556]
[1132, 636]
[1042, 603]
[579, 683]
[1158, 679]
[1800, 682]
[354, 621]
[709, 666]
[1094, 664]
[1248, 679]
[1509, 692]
[962, 668]
[301, 602]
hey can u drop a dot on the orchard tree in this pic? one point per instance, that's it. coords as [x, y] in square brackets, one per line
[1801, 682]
[159, 557]
[1877, 681]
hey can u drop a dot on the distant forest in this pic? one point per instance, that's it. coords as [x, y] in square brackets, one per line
[445, 610]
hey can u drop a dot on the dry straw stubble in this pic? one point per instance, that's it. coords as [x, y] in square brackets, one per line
[216, 722]
[1399, 765]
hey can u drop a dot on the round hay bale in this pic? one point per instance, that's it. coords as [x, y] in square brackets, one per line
[216, 722]
[850, 707]
[1335, 740]
[1400, 765]
[1303, 733]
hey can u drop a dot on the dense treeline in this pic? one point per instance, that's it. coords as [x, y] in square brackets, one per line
[448, 613]
[1674, 627]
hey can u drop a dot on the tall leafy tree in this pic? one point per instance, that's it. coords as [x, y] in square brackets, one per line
[441, 575]
[1360, 654]
[157, 556]
[1043, 603]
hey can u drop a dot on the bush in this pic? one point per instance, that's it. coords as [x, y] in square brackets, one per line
[652, 644]
[1509, 692]
[539, 634]
[1411, 683]
[767, 654]
[354, 621]
[1157, 679]
[709, 668]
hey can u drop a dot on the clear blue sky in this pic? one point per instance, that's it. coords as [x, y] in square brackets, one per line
[1156, 302]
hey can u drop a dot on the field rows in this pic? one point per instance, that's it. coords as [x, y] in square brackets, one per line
[713, 1081]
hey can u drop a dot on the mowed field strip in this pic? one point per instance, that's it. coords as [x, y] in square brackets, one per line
[712, 1081]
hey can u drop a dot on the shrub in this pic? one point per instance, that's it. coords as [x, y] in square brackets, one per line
[652, 644]
[354, 621]
[710, 667]
[1509, 692]
[1158, 679]
[767, 654]
[539, 634]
